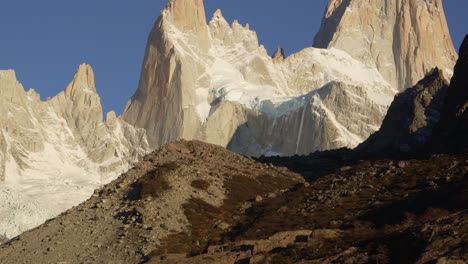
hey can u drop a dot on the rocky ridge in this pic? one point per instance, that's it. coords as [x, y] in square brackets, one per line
[410, 120]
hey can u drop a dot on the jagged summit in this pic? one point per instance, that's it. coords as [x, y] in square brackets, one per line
[54, 153]
[190, 82]
[403, 39]
[278, 56]
[218, 13]
[188, 15]
[83, 81]
[218, 24]
[8, 74]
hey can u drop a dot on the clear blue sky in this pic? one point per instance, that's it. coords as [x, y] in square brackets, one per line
[46, 40]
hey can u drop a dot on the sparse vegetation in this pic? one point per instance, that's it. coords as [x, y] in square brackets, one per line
[200, 184]
[153, 183]
[205, 220]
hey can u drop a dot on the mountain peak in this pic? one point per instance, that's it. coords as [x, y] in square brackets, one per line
[403, 39]
[188, 15]
[218, 13]
[219, 19]
[82, 81]
[8, 74]
[278, 56]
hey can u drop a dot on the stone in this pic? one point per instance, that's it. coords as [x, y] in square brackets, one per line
[345, 168]
[258, 198]
[222, 226]
[401, 164]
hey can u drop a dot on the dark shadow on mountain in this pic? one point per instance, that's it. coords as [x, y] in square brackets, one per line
[435, 197]
[315, 165]
[409, 122]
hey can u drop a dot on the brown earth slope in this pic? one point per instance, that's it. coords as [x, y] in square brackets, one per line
[375, 212]
[177, 200]
[196, 203]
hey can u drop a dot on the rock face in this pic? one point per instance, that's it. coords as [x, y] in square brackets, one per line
[403, 39]
[57, 150]
[322, 122]
[451, 133]
[411, 118]
[214, 82]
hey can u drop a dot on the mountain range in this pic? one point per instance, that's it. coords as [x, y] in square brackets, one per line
[213, 81]
[194, 202]
[315, 99]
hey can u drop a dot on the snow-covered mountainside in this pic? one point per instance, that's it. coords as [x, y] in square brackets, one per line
[403, 39]
[215, 83]
[54, 153]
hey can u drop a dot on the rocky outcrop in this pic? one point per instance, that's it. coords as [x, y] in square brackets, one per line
[451, 133]
[61, 147]
[403, 39]
[411, 118]
[188, 88]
